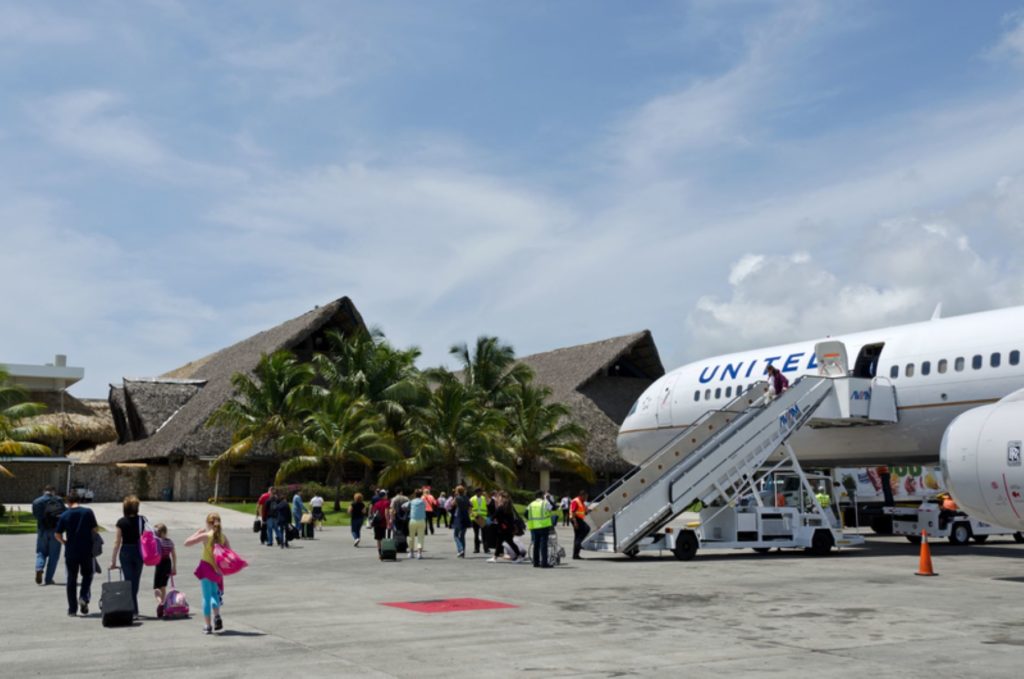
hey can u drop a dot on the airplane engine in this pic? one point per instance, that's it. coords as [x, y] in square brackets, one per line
[981, 461]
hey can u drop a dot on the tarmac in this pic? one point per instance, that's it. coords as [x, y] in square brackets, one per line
[316, 609]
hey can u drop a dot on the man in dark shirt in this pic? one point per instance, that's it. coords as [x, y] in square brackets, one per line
[75, 530]
[47, 509]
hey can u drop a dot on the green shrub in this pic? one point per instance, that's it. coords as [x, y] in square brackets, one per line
[3, 510]
[521, 496]
[345, 493]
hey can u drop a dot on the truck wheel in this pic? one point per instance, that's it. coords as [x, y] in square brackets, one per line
[821, 543]
[1018, 537]
[914, 539]
[882, 525]
[686, 545]
[959, 534]
[762, 550]
[980, 539]
[632, 552]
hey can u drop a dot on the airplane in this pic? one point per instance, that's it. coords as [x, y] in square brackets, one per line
[940, 369]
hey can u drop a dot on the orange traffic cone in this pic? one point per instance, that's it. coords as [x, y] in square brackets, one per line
[925, 568]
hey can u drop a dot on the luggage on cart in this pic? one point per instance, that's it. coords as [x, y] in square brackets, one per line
[388, 552]
[116, 601]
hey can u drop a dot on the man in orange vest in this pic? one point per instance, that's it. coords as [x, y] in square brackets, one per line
[578, 512]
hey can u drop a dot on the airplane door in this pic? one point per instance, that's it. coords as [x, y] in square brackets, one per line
[663, 411]
[831, 357]
[867, 360]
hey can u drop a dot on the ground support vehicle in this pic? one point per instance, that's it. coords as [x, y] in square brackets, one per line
[956, 526]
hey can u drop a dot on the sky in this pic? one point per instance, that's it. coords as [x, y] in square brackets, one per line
[176, 176]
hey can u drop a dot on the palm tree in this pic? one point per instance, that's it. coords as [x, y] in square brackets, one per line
[542, 431]
[454, 432]
[265, 409]
[342, 429]
[491, 369]
[16, 438]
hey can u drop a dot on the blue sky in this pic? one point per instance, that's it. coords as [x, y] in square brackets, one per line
[175, 176]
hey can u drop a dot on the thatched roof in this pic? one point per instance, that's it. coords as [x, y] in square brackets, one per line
[82, 423]
[185, 433]
[599, 382]
[151, 403]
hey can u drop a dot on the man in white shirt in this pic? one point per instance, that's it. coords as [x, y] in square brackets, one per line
[317, 505]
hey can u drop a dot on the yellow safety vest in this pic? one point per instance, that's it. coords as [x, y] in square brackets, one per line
[824, 500]
[538, 515]
[479, 505]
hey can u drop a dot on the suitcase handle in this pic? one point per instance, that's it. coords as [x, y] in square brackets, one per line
[115, 568]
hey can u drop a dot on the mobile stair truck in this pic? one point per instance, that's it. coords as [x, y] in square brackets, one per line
[724, 459]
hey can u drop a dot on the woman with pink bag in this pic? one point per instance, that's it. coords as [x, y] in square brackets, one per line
[217, 561]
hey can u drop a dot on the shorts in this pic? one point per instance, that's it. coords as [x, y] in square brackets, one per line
[162, 574]
[380, 531]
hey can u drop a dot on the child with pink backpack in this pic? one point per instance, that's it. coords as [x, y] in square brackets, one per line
[165, 569]
[217, 561]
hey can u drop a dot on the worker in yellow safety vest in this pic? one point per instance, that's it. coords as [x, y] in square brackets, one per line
[539, 518]
[478, 517]
[824, 499]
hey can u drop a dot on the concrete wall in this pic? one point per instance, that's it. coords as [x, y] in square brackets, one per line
[112, 482]
[29, 479]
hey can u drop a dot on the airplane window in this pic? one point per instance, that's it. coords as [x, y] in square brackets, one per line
[943, 364]
[909, 370]
[976, 362]
[959, 364]
[707, 394]
[728, 392]
[995, 359]
[696, 395]
[926, 367]
[718, 393]
[894, 371]
[1014, 357]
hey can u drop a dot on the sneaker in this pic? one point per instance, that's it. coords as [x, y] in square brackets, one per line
[218, 624]
[207, 629]
[83, 606]
[492, 560]
[420, 555]
[72, 614]
[160, 610]
[356, 543]
[461, 555]
[39, 577]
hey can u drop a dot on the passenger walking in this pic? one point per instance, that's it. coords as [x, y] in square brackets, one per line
[263, 511]
[441, 513]
[356, 513]
[281, 511]
[504, 526]
[211, 579]
[478, 514]
[317, 505]
[298, 509]
[47, 509]
[431, 503]
[379, 518]
[75, 529]
[127, 546]
[399, 517]
[564, 507]
[417, 511]
[460, 520]
[539, 521]
[578, 511]
[167, 567]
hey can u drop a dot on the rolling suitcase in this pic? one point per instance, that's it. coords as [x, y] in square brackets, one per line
[116, 602]
[291, 533]
[388, 551]
[307, 531]
[555, 553]
[401, 543]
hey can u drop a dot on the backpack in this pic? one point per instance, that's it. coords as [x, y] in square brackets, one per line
[402, 513]
[449, 505]
[148, 545]
[51, 512]
[175, 603]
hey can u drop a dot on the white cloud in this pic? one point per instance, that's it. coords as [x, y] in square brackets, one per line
[27, 23]
[896, 273]
[1011, 43]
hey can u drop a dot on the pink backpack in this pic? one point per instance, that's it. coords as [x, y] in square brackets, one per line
[228, 560]
[148, 543]
[175, 604]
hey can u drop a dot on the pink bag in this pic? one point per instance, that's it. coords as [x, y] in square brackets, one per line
[175, 604]
[228, 560]
[148, 543]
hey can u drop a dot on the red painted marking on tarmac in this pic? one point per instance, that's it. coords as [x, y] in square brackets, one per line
[448, 605]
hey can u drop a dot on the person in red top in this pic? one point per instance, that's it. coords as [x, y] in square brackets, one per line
[431, 502]
[379, 517]
[578, 513]
[262, 505]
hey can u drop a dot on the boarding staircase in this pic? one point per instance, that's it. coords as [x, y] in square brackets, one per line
[722, 451]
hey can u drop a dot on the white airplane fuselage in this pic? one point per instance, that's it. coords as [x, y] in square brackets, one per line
[956, 364]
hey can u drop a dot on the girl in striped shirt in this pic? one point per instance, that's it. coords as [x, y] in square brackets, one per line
[167, 567]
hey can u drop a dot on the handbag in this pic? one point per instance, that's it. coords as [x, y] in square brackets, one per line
[257, 526]
[228, 561]
[306, 518]
[148, 543]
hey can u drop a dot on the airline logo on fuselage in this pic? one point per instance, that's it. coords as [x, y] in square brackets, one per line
[748, 369]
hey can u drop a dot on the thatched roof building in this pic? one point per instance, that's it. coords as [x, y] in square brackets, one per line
[164, 419]
[600, 381]
[83, 423]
